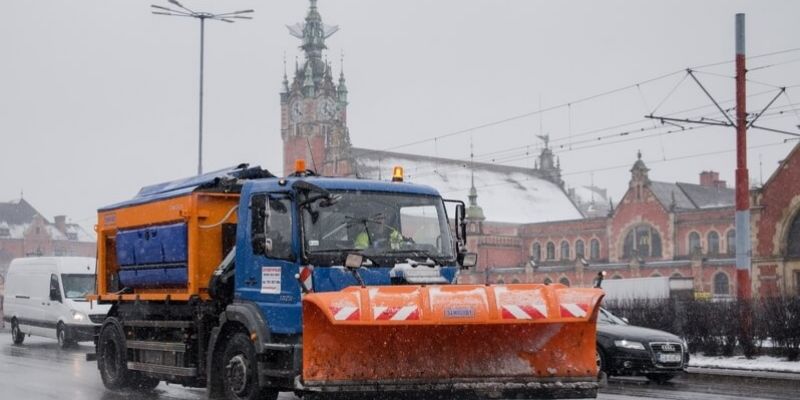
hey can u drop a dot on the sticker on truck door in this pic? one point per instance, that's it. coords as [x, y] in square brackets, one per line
[271, 280]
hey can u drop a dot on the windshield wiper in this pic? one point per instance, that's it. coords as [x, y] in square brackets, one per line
[419, 253]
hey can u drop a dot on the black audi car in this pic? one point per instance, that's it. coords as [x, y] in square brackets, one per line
[624, 349]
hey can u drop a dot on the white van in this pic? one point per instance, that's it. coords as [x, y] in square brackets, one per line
[46, 296]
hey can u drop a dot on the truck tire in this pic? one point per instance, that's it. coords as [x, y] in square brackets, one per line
[240, 371]
[16, 334]
[111, 355]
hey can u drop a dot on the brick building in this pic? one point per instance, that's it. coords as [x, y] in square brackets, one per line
[25, 232]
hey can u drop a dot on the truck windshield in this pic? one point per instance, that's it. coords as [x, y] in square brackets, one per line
[379, 225]
[78, 286]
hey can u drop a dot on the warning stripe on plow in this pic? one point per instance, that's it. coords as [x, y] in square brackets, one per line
[405, 313]
[572, 310]
[525, 311]
[345, 313]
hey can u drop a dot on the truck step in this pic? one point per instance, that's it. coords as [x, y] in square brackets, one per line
[158, 324]
[162, 369]
[160, 346]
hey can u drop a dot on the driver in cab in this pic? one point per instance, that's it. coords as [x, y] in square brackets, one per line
[377, 235]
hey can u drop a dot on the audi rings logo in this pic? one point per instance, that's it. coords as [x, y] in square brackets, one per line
[667, 347]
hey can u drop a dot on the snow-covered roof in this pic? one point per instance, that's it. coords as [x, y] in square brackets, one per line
[689, 196]
[506, 193]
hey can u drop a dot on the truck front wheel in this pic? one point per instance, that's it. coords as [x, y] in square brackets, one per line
[240, 371]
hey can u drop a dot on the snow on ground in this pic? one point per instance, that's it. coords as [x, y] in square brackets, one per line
[762, 363]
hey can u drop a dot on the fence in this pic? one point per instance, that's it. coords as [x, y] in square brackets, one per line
[716, 328]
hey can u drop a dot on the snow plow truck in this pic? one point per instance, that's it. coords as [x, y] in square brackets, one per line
[250, 284]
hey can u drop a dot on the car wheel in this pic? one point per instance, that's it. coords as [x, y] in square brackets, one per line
[240, 371]
[600, 358]
[660, 378]
[17, 336]
[61, 335]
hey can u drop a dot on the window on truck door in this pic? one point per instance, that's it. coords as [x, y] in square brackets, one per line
[279, 225]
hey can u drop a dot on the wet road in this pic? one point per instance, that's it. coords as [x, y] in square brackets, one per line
[39, 370]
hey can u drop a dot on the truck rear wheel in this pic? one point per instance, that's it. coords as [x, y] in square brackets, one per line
[112, 360]
[240, 371]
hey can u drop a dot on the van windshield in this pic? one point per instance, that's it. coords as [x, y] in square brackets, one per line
[78, 286]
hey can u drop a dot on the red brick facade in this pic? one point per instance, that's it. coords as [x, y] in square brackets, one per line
[775, 207]
[695, 235]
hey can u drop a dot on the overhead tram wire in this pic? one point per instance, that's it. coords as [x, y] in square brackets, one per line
[512, 153]
[580, 100]
[627, 165]
[593, 143]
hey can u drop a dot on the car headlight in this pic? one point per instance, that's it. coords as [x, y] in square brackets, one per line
[627, 344]
[78, 316]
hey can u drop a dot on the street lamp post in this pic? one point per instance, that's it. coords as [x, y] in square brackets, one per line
[183, 11]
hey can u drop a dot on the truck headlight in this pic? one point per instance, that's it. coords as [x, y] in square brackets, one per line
[78, 316]
[627, 344]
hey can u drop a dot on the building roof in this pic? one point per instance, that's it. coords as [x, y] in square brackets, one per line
[17, 212]
[506, 193]
[17, 216]
[689, 196]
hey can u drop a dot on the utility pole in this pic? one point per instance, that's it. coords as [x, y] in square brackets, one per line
[183, 11]
[743, 280]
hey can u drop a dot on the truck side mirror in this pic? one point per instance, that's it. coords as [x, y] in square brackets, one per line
[259, 215]
[467, 260]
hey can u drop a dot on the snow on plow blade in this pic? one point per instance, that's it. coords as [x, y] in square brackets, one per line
[506, 339]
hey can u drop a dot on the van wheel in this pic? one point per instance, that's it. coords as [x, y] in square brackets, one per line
[61, 333]
[16, 334]
[240, 371]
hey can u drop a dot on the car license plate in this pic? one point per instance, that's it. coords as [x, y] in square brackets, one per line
[669, 358]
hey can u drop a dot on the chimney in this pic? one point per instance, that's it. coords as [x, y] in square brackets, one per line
[711, 179]
[61, 223]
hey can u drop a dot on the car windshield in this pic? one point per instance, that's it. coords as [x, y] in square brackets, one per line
[378, 225]
[78, 286]
[608, 318]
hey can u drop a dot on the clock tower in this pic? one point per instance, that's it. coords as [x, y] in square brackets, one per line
[313, 106]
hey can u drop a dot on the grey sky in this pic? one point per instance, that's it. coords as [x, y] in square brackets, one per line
[98, 98]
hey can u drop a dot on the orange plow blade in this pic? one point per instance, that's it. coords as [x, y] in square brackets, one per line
[506, 339]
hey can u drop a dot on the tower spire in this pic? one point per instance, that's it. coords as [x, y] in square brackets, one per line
[474, 211]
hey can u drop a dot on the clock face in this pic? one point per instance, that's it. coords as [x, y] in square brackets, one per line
[297, 111]
[327, 109]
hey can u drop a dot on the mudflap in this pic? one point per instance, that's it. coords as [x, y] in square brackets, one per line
[505, 341]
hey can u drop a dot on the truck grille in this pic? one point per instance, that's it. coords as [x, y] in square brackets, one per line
[97, 318]
[667, 354]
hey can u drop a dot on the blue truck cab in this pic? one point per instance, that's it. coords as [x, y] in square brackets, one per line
[312, 223]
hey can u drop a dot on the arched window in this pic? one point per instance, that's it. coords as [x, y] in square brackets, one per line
[565, 250]
[536, 252]
[730, 240]
[677, 275]
[694, 243]
[547, 281]
[594, 251]
[721, 285]
[655, 275]
[616, 277]
[642, 241]
[713, 243]
[551, 251]
[793, 240]
[579, 250]
[564, 281]
[515, 280]
[500, 281]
